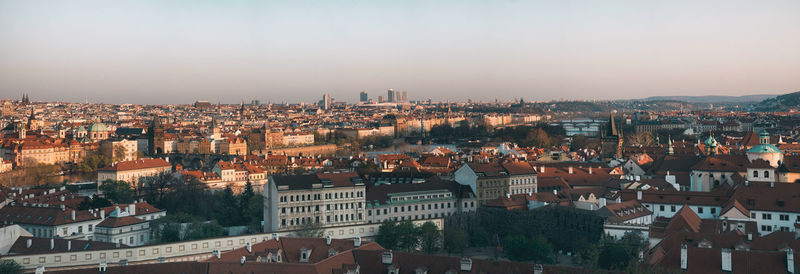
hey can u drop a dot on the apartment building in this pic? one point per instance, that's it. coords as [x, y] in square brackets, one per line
[324, 199]
[131, 171]
[492, 180]
[409, 198]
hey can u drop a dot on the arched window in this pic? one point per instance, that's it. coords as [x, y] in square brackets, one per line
[766, 174]
[755, 173]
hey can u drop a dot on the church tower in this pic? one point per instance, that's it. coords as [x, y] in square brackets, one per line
[155, 136]
[611, 140]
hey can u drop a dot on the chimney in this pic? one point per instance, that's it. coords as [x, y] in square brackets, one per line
[555, 192]
[639, 195]
[118, 245]
[570, 170]
[132, 209]
[102, 214]
[241, 261]
[69, 245]
[357, 241]
[103, 266]
[40, 269]
[29, 243]
[750, 236]
[684, 259]
[726, 259]
[52, 243]
[275, 236]
[771, 184]
[73, 215]
[216, 253]
[466, 264]
[249, 247]
[386, 258]
[328, 240]
[63, 207]
[542, 169]
[508, 195]
[789, 260]
[590, 170]
[602, 202]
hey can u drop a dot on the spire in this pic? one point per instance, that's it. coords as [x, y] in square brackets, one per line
[670, 150]
[612, 128]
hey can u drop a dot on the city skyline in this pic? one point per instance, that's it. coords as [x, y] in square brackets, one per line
[147, 52]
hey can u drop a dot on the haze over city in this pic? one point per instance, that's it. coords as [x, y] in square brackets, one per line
[156, 52]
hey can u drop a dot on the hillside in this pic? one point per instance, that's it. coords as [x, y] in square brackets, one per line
[784, 102]
[713, 98]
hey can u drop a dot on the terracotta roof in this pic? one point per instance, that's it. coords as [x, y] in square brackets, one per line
[138, 164]
[42, 245]
[48, 216]
[120, 221]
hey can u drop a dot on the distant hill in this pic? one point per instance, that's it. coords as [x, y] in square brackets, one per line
[780, 103]
[713, 98]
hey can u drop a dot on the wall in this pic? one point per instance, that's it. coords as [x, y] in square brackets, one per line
[181, 251]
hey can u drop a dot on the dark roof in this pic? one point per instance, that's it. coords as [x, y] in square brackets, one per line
[42, 245]
[295, 182]
[380, 193]
[120, 221]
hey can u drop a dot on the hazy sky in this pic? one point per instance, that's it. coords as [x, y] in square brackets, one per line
[169, 51]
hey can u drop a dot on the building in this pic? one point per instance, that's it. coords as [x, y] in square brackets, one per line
[234, 146]
[131, 171]
[45, 221]
[363, 97]
[492, 180]
[324, 199]
[409, 198]
[298, 139]
[155, 136]
[611, 140]
[120, 227]
[120, 150]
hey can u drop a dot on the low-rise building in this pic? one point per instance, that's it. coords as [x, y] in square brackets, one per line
[131, 171]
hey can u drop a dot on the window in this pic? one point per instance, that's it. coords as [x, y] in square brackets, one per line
[766, 216]
[755, 173]
[713, 211]
[700, 210]
[784, 217]
[661, 207]
[766, 174]
[672, 208]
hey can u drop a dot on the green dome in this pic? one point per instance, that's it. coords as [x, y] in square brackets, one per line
[711, 141]
[764, 148]
[81, 129]
[764, 134]
[97, 127]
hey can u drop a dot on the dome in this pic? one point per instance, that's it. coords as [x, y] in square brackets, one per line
[97, 127]
[711, 142]
[764, 134]
[81, 129]
[764, 148]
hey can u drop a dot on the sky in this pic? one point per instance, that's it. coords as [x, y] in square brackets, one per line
[174, 51]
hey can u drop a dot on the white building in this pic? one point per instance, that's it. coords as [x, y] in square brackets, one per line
[400, 199]
[323, 199]
[122, 228]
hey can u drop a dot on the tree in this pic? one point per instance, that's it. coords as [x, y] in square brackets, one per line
[408, 236]
[204, 230]
[641, 139]
[93, 161]
[119, 153]
[118, 191]
[537, 249]
[578, 142]
[430, 237]
[310, 230]
[621, 254]
[387, 235]
[10, 267]
[42, 174]
[455, 240]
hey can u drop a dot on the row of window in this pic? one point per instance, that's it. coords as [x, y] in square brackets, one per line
[768, 216]
[336, 218]
[328, 196]
[339, 206]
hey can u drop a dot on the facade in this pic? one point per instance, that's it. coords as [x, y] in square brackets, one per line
[400, 199]
[122, 228]
[492, 180]
[323, 199]
[131, 171]
[113, 148]
[298, 139]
